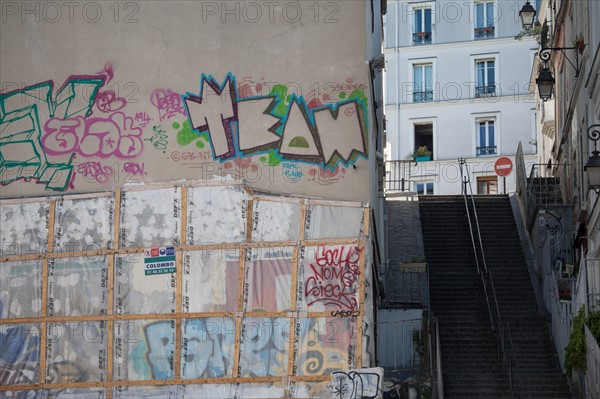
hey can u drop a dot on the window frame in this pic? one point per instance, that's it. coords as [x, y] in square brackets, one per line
[490, 147]
[487, 90]
[425, 95]
[484, 117]
[426, 185]
[417, 38]
[485, 28]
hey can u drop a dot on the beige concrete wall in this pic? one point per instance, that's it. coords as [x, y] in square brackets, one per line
[97, 94]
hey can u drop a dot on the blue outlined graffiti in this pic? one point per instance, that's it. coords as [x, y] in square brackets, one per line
[207, 348]
[264, 347]
[237, 128]
[19, 354]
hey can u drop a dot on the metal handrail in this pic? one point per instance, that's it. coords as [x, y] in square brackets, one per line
[500, 328]
[439, 376]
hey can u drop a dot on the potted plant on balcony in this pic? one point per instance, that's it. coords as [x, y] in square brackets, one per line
[422, 154]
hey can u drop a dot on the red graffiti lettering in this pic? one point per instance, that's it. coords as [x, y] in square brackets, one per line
[334, 279]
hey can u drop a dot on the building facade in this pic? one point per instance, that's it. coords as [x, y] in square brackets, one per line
[457, 86]
[567, 124]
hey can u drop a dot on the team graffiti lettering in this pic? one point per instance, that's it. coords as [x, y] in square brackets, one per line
[93, 137]
[334, 279]
[324, 135]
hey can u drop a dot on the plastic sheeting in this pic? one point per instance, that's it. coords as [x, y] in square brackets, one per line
[76, 352]
[77, 286]
[330, 276]
[20, 289]
[84, 224]
[268, 279]
[144, 349]
[217, 214]
[325, 221]
[150, 218]
[19, 354]
[135, 292]
[258, 301]
[207, 347]
[210, 281]
[275, 221]
[24, 228]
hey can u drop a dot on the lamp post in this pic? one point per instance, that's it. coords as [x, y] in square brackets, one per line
[527, 15]
[545, 80]
[593, 165]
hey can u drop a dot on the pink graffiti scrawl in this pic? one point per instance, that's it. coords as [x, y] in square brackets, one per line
[93, 137]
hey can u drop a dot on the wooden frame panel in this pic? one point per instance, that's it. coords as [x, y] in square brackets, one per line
[110, 317]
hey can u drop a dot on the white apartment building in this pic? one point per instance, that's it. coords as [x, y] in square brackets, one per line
[457, 82]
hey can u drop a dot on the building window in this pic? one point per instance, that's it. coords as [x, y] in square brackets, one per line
[422, 26]
[424, 137]
[487, 185]
[423, 83]
[424, 188]
[486, 137]
[485, 75]
[484, 20]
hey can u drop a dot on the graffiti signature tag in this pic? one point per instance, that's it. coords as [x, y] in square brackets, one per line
[93, 137]
[334, 278]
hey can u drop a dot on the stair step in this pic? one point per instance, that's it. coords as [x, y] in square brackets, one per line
[468, 346]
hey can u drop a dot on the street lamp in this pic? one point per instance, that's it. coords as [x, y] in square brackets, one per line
[593, 165]
[545, 82]
[527, 15]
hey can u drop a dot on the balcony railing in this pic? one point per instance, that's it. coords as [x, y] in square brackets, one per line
[484, 33]
[422, 96]
[489, 150]
[422, 38]
[398, 176]
[485, 91]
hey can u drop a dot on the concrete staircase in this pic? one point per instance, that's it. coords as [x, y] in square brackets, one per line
[471, 362]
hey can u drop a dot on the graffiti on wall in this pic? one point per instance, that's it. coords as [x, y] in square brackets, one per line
[24, 113]
[84, 131]
[240, 127]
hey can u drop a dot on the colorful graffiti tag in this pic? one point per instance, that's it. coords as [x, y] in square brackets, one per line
[241, 127]
[85, 132]
[24, 112]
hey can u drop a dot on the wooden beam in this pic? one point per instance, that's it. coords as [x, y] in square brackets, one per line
[116, 218]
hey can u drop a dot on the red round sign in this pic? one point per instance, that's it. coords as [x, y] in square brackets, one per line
[503, 166]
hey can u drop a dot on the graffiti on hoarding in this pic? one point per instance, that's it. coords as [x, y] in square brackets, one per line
[240, 127]
[357, 384]
[333, 277]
